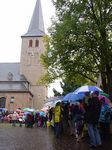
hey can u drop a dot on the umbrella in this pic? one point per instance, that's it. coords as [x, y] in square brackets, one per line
[104, 94]
[71, 97]
[32, 110]
[87, 88]
[26, 113]
[44, 109]
[106, 99]
[19, 111]
[67, 96]
[28, 109]
[42, 113]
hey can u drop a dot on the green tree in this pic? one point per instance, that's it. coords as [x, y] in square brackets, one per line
[80, 43]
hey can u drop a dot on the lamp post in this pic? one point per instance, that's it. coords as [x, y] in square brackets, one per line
[12, 104]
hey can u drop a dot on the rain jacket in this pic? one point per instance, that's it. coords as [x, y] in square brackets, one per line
[93, 111]
[57, 114]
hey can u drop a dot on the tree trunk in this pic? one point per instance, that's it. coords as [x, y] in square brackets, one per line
[104, 83]
[109, 80]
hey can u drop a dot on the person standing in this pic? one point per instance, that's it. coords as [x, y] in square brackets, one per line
[78, 116]
[57, 119]
[14, 119]
[105, 120]
[92, 117]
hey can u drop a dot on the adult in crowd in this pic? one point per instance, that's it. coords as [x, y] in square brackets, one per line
[51, 118]
[78, 116]
[105, 120]
[65, 116]
[29, 120]
[57, 119]
[14, 119]
[92, 118]
[70, 120]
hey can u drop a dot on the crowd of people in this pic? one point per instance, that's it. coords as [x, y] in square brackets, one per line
[91, 114]
[28, 119]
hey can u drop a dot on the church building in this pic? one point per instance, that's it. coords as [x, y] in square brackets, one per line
[19, 86]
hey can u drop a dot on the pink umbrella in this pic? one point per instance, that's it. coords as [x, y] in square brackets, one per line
[106, 99]
[19, 111]
[45, 109]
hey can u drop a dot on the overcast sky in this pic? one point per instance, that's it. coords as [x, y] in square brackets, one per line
[15, 16]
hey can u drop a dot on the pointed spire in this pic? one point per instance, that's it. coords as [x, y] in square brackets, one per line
[36, 27]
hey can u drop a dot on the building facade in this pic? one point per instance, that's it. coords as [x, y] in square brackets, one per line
[20, 81]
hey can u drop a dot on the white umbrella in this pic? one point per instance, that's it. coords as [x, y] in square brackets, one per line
[87, 88]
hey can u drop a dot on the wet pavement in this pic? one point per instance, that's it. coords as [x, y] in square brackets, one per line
[21, 138]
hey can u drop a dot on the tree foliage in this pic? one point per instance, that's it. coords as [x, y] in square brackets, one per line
[80, 43]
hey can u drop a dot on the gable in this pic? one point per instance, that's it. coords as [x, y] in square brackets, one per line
[10, 72]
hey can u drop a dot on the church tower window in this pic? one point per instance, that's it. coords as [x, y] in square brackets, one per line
[30, 43]
[36, 43]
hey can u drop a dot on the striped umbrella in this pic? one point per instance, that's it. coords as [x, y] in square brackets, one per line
[87, 88]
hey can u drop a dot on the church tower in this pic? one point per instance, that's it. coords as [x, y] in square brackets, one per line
[32, 47]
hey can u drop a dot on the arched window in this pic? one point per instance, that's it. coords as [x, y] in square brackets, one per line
[2, 102]
[36, 43]
[30, 43]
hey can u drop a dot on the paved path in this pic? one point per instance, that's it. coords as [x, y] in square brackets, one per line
[17, 138]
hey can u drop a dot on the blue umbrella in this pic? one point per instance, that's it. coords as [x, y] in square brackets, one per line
[87, 88]
[26, 113]
[67, 96]
[42, 113]
[71, 97]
